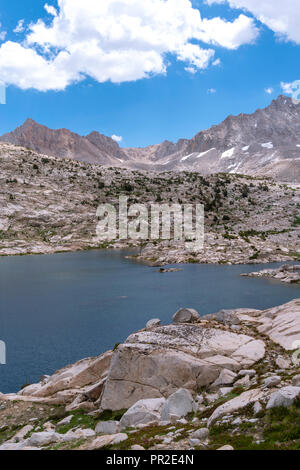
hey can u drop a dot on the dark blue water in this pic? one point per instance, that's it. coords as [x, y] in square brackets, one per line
[57, 309]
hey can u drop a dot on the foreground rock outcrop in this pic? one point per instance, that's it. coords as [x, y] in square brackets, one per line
[157, 363]
[282, 325]
[172, 387]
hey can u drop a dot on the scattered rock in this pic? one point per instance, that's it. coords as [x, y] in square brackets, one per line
[244, 382]
[257, 408]
[272, 381]
[212, 397]
[65, 421]
[237, 421]
[107, 427]
[226, 448]
[180, 421]
[77, 434]
[104, 441]
[21, 434]
[296, 381]
[283, 363]
[12, 446]
[178, 404]
[284, 397]
[245, 399]
[250, 373]
[143, 412]
[186, 315]
[40, 439]
[153, 323]
[194, 442]
[169, 270]
[200, 434]
[225, 391]
[226, 377]
[226, 317]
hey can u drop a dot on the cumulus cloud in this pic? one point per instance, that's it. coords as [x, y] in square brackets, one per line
[20, 27]
[50, 9]
[290, 88]
[282, 17]
[216, 62]
[191, 70]
[269, 91]
[117, 41]
[211, 91]
[117, 138]
[228, 34]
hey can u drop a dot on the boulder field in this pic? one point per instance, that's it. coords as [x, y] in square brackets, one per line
[212, 366]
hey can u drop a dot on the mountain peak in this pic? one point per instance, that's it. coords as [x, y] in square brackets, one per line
[266, 141]
[30, 122]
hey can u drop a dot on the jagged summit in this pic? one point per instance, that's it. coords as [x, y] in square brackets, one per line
[94, 148]
[266, 142]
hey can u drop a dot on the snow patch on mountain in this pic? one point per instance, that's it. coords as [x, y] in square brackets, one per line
[268, 145]
[228, 154]
[204, 153]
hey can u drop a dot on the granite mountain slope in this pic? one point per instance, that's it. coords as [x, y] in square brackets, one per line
[49, 204]
[266, 143]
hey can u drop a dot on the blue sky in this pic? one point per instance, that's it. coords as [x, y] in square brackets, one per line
[186, 89]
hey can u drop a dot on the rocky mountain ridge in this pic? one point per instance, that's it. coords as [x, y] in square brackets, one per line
[266, 143]
[49, 204]
[93, 148]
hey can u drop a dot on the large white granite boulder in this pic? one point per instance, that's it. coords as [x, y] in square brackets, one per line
[156, 363]
[282, 324]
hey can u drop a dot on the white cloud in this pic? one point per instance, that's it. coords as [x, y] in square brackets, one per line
[25, 68]
[216, 62]
[2, 34]
[211, 91]
[50, 9]
[290, 88]
[193, 54]
[191, 70]
[20, 27]
[117, 40]
[228, 34]
[282, 17]
[269, 91]
[117, 138]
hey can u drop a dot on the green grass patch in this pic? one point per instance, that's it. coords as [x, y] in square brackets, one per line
[79, 419]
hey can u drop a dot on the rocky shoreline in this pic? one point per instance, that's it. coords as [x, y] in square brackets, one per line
[227, 379]
[287, 273]
[48, 205]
